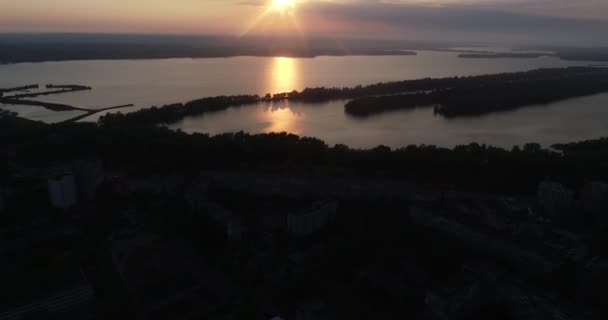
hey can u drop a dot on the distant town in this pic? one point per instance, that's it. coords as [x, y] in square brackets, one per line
[156, 224]
[304, 160]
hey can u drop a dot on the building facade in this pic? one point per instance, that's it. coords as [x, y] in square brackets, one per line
[554, 198]
[62, 191]
[594, 199]
[313, 220]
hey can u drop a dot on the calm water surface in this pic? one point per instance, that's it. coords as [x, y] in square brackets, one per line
[565, 121]
[156, 82]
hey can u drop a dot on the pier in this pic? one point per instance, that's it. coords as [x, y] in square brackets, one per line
[22, 88]
[92, 112]
[46, 105]
[18, 99]
[56, 89]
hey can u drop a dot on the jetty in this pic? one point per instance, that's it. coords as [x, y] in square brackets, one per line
[19, 99]
[22, 88]
[53, 89]
[92, 112]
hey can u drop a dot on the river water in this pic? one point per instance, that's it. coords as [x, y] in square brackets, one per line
[156, 82]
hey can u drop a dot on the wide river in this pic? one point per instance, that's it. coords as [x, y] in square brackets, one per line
[156, 82]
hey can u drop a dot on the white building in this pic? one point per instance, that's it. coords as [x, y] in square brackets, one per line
[554, 198]
[62, 191]
[312, 220]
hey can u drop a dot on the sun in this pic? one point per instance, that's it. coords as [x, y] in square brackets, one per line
[278, 14]
[283, 4]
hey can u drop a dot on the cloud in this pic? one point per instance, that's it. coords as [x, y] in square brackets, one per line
[514, 18]
[582, 21]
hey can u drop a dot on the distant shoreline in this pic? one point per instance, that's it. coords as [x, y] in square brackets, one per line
[463, 54]
[34, 48]
[140, 58]
[451, 96]
[476, 96]
[506, 55]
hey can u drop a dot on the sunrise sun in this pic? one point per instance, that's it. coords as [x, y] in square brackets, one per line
[283, 4]
[279, 15]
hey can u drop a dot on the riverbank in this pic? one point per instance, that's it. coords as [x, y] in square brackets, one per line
[475, 96]
[17, 99]
[376, 97]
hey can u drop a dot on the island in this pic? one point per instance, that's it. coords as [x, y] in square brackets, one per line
[454, 96]
[474, 96]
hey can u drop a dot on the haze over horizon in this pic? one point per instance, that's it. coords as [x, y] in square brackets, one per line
[497, 21]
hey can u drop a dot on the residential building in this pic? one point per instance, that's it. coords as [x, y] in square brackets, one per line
[554, 198]
[594, 199]
[229, 224]
[62, 191]
[88, 175]
[312, 220]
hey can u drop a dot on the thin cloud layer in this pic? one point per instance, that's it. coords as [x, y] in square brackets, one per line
[517, 20]
[555, 21]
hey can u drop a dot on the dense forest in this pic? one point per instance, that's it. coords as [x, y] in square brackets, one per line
[375, 98]
[148, 149]
[490, 94]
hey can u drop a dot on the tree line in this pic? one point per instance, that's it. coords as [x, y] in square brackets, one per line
[456, 95]
[490, 94]
[147, 150]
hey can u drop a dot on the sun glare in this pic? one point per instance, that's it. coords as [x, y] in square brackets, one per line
[283, 4]
[278, 15]
[283, 75]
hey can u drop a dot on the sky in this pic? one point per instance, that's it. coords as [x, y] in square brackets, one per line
[551, 21]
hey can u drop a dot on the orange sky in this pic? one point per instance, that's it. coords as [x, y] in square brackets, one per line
[145, 16]
[357, 17]
[175, 16]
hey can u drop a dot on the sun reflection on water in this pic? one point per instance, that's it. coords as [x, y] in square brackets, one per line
[283, 75]
[280, 116]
